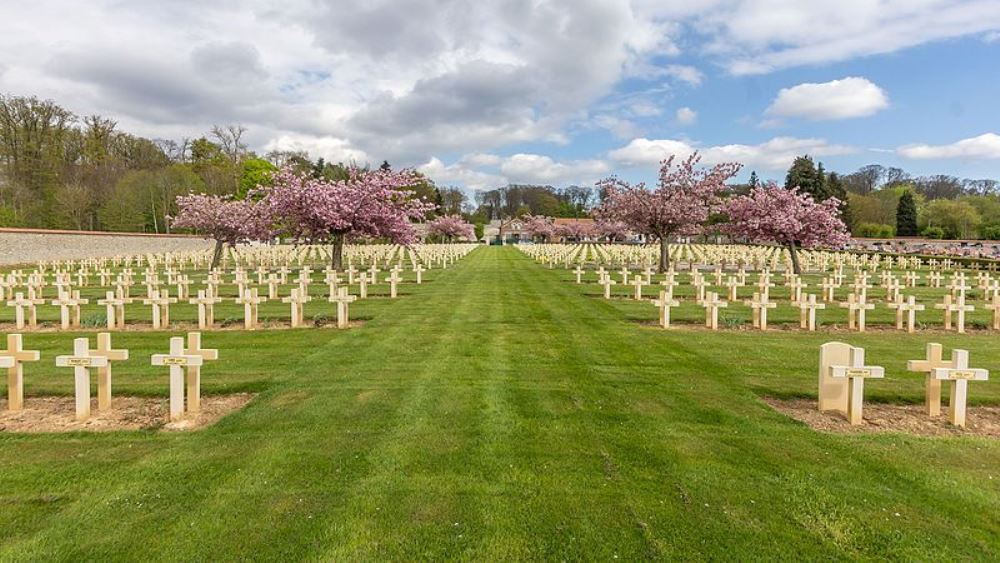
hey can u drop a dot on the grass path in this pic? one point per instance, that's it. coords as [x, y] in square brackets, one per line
[502, 412]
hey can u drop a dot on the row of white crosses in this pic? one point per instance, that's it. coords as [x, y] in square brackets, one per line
[160, 301]
[843, 371]
[756, 257]
[856, 303]
[184, 361]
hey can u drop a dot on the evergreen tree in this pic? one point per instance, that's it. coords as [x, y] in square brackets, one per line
[835, 188]
[803, 175]
[319, 168]
[754, 180]
[821, 192]
[906, 215]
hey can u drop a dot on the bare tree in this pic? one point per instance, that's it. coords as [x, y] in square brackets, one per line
[230, 140]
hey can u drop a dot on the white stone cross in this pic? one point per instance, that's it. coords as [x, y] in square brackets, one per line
[419, 270]
[664, 303]
[272, 285]
[343, 300]
[908, 307]
[297, 301]
[828, 286]
[105, 350]
[206, 308]
[934, 279]
[842, 379]
[712, 304]
[732, 284]
[393, 280]
[13, 358]
[115, 310]
[994, 305]
[69, 308]
[81, 360]
[892, 288]
[958, 377]
[193, 376]
[856, 308]
[160, 303]
[607, 282]
[796, 286]
[934, 359]
[959, 307]
[637, 283]
[177, 359]
[579, 273]
[250, 301]
[760, 305]
[807, 311]
[20, 303]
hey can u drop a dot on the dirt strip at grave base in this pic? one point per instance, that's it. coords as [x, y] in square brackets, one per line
[57, 414]
[908, 419]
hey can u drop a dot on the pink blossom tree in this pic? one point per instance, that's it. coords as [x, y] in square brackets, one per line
[680, 205]
[612, 230]
[538, 226]
[367, 204]
[450, 227]
[225, 220]
[576, 230]
[787, 217]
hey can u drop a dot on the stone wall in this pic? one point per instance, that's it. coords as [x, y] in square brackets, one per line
[28, 246]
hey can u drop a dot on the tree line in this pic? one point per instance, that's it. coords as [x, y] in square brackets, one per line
[881, 201]
[60, 170]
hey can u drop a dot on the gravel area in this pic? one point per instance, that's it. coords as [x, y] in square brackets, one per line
[30, 247]
[57, 414]
[878, 417]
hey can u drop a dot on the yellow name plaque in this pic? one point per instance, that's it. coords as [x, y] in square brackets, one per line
[858, 372]
[961, 374]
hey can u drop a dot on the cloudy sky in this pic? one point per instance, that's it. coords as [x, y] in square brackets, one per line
[478, 94]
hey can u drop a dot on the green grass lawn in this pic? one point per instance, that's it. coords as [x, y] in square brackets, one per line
[500, 411]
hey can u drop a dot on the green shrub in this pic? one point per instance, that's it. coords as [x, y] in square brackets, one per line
[991, 232]
[94, 320]
[321, 319]
[936, 233]
[876, 230]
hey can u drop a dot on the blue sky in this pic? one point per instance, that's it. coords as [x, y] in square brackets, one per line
[534, 91]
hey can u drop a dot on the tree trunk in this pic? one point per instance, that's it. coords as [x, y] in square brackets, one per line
[664, 255]
[337, 252]
[795, 258]
[217, 255]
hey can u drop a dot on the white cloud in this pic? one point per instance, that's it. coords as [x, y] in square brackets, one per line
[481, 172]
[330, 148]
[540, 169]
[620, 127]
[838, 99]
[480, 159]
[985, 146]
[758, 36]
[685, 73]
[775, 154]
[402, 81]
[460, 173]
[992, 37]
[686, 116]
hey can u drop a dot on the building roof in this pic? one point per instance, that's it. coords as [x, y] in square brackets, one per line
[573, 220]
